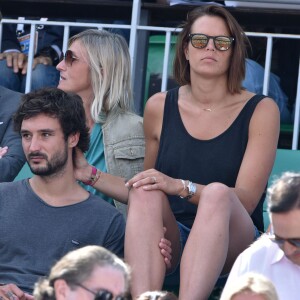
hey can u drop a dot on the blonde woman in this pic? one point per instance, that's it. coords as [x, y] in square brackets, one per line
[96, 66]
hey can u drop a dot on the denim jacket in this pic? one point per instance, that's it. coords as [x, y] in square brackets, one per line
[124, 145]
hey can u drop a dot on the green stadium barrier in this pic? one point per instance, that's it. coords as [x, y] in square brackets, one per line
[155, 60]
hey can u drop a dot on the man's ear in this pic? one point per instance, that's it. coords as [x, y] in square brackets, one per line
[73, 139]
[61, 289]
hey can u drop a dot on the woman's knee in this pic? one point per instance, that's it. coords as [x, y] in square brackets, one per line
[216, 195]
[141, 199]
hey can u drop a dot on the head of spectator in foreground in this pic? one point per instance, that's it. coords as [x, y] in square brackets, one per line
[43, 117]
[251, 286]
[157, 295]
[284, 209]
[235, 43]
[91, 272]
[97, 67]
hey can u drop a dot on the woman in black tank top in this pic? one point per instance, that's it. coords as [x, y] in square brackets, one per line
[210, 147]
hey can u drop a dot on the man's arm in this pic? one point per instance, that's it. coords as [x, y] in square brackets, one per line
[12, 162]
[10, 40]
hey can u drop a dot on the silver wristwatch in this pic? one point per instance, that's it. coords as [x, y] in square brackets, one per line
[192, 189]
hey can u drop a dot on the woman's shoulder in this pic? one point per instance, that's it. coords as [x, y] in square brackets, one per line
[266, 105]
[156, 102]
[123, 125]
[157, 98]
[265, 100]
[121, 115]
[130, 115]
[262, 103]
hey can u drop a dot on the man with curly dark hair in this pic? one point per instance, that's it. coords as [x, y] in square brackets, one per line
[46, 216]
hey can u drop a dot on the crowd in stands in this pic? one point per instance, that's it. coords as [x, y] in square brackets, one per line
[178, 194]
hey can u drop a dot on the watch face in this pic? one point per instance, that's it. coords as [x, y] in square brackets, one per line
[192, 188]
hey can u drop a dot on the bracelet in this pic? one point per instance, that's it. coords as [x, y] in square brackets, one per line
[94, 177]
[184, 188]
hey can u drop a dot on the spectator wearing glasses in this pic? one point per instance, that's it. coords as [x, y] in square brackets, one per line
[50, 214]
[210, 148]
[277, 256]
[91, 272]
[96, 67]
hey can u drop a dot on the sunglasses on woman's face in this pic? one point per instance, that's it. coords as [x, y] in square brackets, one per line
[69, 57]
[105, 294]
[200, 40]
[280, 241]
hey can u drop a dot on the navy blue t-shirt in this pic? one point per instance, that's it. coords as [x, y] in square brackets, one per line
[34, 234]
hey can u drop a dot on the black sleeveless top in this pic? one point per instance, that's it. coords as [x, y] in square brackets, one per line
[203, 161]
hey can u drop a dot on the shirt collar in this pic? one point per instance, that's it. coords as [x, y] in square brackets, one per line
[278, 254]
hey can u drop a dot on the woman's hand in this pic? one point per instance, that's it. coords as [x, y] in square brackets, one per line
[152, 179]
[3, 151]
[82, 169]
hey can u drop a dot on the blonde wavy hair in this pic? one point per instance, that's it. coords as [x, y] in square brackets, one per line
[110, 67]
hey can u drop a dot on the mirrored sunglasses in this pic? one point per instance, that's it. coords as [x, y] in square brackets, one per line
[105, 294]
[69, 57]
[200, 40]
[280, 241]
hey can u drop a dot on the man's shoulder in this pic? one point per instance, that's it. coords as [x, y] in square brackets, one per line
[261, 247]
[105, 207]
[9, 96]
[11, 188]
[9, 185]
[7, 92]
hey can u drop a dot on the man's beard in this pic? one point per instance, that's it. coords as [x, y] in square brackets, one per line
[53, 166]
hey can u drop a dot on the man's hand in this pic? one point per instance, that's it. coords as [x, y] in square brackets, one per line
[19, 61]
[12, 292]
[14, 59]
[3, 151]
[45, 60]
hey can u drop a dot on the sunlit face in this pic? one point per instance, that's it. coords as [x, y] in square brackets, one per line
[101, 278]
[208, 60]
[76, 78]
[248, 296]
[287, 226]
[44, 145]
